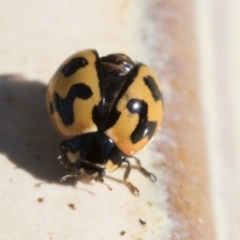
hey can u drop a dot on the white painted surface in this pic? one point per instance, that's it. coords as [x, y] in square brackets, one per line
[219, 51]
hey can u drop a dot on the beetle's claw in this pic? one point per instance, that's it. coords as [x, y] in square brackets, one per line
[152, 177]
[133, 189]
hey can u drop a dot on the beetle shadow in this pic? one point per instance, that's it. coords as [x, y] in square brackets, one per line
[27, 137]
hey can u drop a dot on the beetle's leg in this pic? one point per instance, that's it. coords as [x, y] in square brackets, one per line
[67, 164]
[147, 174]
[101, 180]
[64, 178]
[133, 189]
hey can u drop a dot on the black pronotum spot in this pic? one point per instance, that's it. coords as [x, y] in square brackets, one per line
[144, 127]
[71, 67]
[64, 106]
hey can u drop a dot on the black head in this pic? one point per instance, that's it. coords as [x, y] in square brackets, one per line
[86, 155]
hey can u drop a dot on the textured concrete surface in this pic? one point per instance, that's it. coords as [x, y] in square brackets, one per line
[35, 38]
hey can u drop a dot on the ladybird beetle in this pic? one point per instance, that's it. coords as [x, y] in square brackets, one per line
[109, 108]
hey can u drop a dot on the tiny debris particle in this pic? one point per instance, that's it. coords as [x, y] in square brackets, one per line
[142, 222]
[150, 204]
[40, 199]
[72, 206]
[122, 233]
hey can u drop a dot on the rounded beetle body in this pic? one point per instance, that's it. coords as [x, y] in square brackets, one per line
[108, 102]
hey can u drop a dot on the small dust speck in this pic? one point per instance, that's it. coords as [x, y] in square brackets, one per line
[150, 204]
[40, 199]
[72, 206]
[122, 233]
[142, 222]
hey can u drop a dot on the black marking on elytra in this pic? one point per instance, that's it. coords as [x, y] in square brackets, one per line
[51, 108]
[98, 67]
[64, 106]
[115, 69]
[115, 114]
[112, 118]
[151, 84]
[130, 79]
[97, 115]
[71, 67]
[98, 111]
[144, 127]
